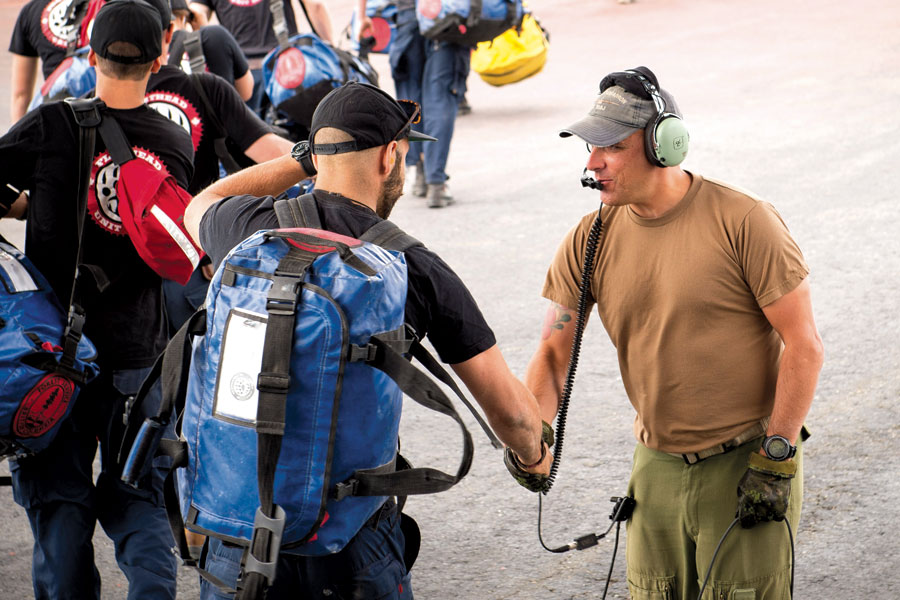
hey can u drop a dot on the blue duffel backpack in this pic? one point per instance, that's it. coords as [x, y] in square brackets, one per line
[467, 22]
[44, 357]
[302, 70]
[289, 397]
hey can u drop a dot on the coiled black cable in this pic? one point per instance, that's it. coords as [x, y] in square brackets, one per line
[590, 251]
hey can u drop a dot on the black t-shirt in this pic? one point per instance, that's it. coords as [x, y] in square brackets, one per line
[438, 304]
[40, 153]
[41, 31]
[171, 93]
[250, 22]
[223, 55]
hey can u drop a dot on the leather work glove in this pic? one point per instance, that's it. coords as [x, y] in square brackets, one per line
[533, 482]
[765, 490]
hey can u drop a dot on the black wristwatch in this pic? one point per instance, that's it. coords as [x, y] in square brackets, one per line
[302, 154]
[778, 448]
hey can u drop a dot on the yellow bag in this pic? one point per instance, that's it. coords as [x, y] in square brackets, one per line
[512, 56]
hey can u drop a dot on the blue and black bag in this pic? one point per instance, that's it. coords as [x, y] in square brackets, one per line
[383, 14]
[301, 70]
[467, 22]
[293, 394]
[44, 358]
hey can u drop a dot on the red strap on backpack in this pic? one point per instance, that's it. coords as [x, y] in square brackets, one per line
[151, 207]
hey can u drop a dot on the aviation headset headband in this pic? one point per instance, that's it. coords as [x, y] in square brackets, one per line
[666, 138]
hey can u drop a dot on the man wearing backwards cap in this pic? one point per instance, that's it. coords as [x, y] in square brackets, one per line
[704, 294]
[125, 320]
[360, 136]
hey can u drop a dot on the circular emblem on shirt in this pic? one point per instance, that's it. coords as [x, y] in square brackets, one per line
[103, 200]
[242, 386]
[244, 3]
[53, 22]
[179, 110]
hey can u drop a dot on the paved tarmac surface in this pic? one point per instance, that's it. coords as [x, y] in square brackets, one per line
[796, 101]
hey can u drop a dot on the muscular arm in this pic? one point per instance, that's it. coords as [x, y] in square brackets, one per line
[546, 373]
[792, 317]
[24, 76]
[268, 147]
[265, 179]
[509, 407]
[244, 85]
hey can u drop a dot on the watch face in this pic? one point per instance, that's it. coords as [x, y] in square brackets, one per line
[777, 448]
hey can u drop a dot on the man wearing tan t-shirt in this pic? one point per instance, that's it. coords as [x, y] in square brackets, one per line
[705, 296]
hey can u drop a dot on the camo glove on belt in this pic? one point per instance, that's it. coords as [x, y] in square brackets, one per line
[533, 482]
[765, 490]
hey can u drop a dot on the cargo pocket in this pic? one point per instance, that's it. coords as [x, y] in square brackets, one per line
[774, 586]
[647, 587]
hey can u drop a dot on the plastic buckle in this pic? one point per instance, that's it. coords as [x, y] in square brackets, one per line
[282, 298]
[275, 527]
[345, 488]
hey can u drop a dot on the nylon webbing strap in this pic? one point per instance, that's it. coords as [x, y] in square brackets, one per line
[193, 45]
[298, 212]
[390, 237]
[116, 143]
[279, 22]
[87, 116]
[272, 384]
[429, 362]
[423, 390]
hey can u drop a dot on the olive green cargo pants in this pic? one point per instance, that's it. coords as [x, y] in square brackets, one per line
[681, 513]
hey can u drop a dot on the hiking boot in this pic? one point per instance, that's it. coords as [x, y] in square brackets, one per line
[463, 108]
[439, 195]
[419, 188]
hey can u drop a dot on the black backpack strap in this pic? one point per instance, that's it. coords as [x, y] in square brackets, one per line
[390, 237]
[220, 134]
[298, 212]
[193, 45]
[117, 144]
[260, 560]
[87, 116]
[418, 480]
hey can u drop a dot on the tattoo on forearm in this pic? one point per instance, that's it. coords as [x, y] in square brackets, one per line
[556, 318]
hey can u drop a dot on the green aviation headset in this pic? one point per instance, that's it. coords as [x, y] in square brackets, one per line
[666, 139]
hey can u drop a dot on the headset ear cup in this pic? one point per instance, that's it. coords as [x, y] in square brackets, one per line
[672, 140]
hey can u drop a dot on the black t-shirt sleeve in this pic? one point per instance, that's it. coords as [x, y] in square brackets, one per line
[241, 124]
[230, 221]
[440, 306]
[20, 43]
[223, 55]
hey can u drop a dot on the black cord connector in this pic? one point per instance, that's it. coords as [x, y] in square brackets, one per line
[623, 508]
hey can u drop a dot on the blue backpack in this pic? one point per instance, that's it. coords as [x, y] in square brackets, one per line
[467, 22]
[301, 70]
[44, 358]
[293, 394]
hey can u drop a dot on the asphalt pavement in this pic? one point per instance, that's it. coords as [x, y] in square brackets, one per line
[796, 101]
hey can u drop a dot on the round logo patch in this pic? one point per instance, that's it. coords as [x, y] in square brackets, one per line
[43, 406]
[429, 9]
[53, 22]
[291, 68]
[103, 199]
[178, 110]
[382, 31]
[242, 386]
[244, 3]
